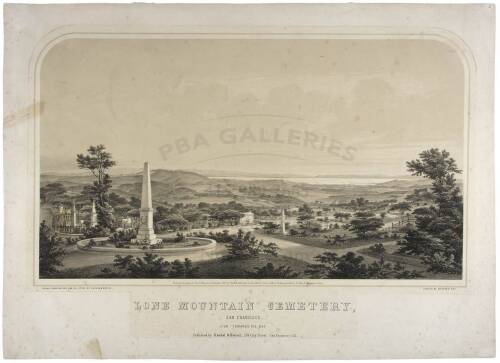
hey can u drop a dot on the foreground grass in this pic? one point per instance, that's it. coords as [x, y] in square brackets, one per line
[233, 269]
[410, 262]
[321, 242]
[213, 269]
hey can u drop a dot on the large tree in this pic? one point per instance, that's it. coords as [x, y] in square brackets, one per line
[438, 232]
[173, 221]
[245, 245]
[352, 266]
[50, 251]
[365, 223]
[98, 161]
[305, 216]
[229, 216]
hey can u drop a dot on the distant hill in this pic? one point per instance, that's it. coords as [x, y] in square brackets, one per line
[178, 186]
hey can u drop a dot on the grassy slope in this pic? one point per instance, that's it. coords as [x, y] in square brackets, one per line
[320, 241]
[221, 268]
[218, 268]
[410, 262]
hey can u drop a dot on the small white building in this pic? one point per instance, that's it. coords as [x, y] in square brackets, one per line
[247, 219]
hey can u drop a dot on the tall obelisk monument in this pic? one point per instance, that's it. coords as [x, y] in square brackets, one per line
[93, 215]
[283, 223]
[146, 234]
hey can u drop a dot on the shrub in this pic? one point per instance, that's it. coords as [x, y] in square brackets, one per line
[124, 235]
[96, 231]
[182, 269]
[270, 272]
[179, 237]
[154, 266]
[245, 245]
[377, 248]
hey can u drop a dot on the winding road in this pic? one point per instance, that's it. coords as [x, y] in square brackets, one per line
[77, 258]
[307, 253]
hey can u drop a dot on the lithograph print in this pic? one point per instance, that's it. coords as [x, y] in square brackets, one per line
[252, 158]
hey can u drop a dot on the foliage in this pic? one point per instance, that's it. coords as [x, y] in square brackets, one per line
[174, 222]
[192, 215]
[227, 216]
[124, 235]
[149, 266]
[438, 232]
[245, 245]
[220, 237]
[51, 191]
[364, 223]
[440, 262]
[401, 207]
[97, 231]
[179, 237]
[305, 216]
[360, 202]
[270, 272]
[98, 161]
[182, 269]
[115, 199]
[331, 266]
[351, 266]
[154, 266]
[314, 226]
[71, 241]
[341, 216]
[382, 270]
[50, 251]
[135, 202]
[420, 196]
[270, 227]
[377, 248]
[336, 240]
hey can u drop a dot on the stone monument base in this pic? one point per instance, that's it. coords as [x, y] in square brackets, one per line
[146, 241]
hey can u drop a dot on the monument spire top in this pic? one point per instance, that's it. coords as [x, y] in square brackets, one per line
[146, 199]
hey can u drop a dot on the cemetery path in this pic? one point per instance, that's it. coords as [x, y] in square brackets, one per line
[76, 258]
[307, 253]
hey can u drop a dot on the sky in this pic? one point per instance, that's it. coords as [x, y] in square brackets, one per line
[308, 107]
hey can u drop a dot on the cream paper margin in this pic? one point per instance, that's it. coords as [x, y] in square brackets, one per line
[31, 30]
